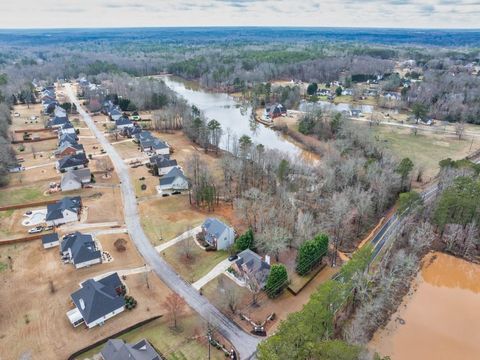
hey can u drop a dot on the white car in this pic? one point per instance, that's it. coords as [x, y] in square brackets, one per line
[33, 117]
[16, 114]
[35, 230]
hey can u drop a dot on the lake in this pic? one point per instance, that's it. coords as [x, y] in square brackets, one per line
[442, 317]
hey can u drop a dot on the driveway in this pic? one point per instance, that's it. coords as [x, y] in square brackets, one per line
[217, 270]
[186, 234]
[245, 343]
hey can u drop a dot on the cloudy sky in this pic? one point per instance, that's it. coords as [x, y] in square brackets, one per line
[132, 13]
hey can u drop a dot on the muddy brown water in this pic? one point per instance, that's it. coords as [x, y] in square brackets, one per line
[442, 315]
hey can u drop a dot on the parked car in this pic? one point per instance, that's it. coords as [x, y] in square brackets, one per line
[35, 230]
[33, 117]
[48, 228]
[28, 213]
[16, 114]
[232, 257]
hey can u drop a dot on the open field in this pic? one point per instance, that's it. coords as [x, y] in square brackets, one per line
[36, 296]
[189, 343]
[200, 263]
[425, 149]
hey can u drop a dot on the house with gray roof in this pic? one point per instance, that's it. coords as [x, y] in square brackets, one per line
[150, 143]
[63, 211]
[117, 349]
[115, 114]
[173, 182]
[50, 240]
[217, 234]
[67, 128]
[80, 249]
[75, 179]
[123, 122]
[251, 269]
[162, 164]
[67, 138]
[72, 162]
[97, 301]
[57, 122]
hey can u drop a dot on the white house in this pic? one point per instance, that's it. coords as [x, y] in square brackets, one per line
[123, 123]
[63, 211]
[217, 234]
[162, 164]
[173, 182]
[97, 301]
[75, 179]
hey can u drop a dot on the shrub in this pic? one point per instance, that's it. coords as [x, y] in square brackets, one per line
[244, 241]
[311, 253]
[277, 279]
[120, 245]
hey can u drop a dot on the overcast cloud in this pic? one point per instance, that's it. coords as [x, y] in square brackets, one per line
[136, 13]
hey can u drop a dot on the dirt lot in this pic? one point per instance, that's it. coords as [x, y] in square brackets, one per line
[23, 121]
[30, 312]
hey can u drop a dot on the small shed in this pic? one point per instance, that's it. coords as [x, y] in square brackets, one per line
[50, 240]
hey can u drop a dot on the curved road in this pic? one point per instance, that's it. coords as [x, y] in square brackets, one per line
[245, 343]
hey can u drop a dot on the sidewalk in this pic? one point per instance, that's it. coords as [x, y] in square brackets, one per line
[179, 238]
[219, 269]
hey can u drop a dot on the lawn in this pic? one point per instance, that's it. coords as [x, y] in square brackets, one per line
[200, 264]
[20, 195]
[173, 345]
[165, 218]
[424, 149]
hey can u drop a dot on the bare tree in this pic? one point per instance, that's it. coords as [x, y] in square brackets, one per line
[460, 129]
[175, 306]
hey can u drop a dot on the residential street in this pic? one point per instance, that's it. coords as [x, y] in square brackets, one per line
[245, 343]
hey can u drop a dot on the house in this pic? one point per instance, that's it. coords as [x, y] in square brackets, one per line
[324, 92]
[80, 249]
[97, 301]
[67, 138]
[274, 111]
[72, 162]
[173, 182]
[14, 168]
[217, 234]
[75, 179]
[347, 92]
[130, 132]
[68, 148]
[115, 114]
[117, 349]
[50, 240]
[49, 106]
[252, 269]
[67, 128]
[150, 143]
[63, 211]
[59, 111]
[123, 122]
[57, 122]
[356, 113]
[162, 164]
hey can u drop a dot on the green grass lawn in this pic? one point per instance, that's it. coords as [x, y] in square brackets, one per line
[173, 345]
[423, 150]
[20, 195]
[202, 261]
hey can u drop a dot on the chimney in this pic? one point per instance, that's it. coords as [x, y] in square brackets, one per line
[267, 259]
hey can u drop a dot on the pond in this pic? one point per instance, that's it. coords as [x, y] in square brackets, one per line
[233, 116]
[442, 317]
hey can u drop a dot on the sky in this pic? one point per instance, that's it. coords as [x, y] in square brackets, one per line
[159, 13]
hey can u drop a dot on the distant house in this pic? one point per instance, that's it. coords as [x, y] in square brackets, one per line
[14, 168]
[80, 249]
[72, 162]
[251, 268]
[67, 138]
[48, 105]
[274, 111]
[117, 349]
[172, 182]
[123, 122]
[67, 128]
[50, 240]
[150, 143]
[347, 92]
[97, 301]
[68, 148]
[75, 179]
[324, 92]
[63, 211]
[130, 132]
[356, 113]
[115, 114]
[57, 122]
[59, 111]
[162, 164]
[217, 234]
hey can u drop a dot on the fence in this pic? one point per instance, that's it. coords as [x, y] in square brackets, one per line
[26, 205]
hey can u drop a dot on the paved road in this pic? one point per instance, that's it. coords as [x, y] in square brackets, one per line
[245, 343]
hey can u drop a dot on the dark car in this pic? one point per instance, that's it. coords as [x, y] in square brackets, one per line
[232, 257]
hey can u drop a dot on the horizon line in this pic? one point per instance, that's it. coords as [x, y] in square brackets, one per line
[239, 27]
